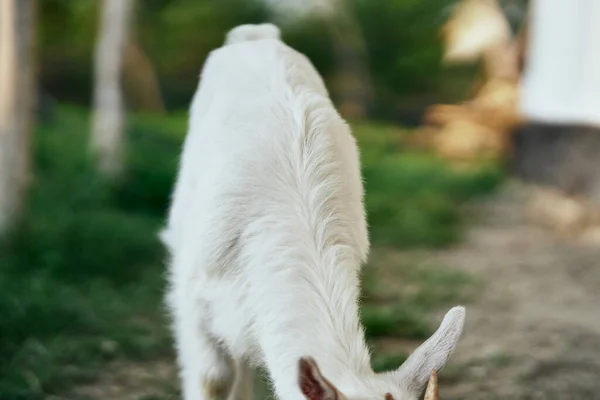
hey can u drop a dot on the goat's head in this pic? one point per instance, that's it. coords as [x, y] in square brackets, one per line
[404, 383]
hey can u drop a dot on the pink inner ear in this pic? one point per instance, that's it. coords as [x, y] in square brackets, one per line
[309, 384]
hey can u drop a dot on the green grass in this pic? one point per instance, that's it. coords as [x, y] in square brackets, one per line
[398, 305]
[81, 278]
[413, 198]
[382, 363]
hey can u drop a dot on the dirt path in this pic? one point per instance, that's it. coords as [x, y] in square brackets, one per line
[534, 331]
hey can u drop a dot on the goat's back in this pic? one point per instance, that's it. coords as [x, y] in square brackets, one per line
[266, 155]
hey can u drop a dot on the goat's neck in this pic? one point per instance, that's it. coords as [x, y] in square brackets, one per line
[322, 322]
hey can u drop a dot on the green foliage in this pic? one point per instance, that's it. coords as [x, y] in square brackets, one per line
[382, 363]
[403, 43]
[412, 198]
[176, 34]
[399, 322]
[152, 162]
[66, 40]
[312, 38]
[81, 277]
[401, 37]
[391, 312]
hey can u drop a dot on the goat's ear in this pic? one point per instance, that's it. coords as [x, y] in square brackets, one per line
[312, 384]
[434, 353]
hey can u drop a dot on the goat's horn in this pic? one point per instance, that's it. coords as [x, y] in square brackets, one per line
[431, 393]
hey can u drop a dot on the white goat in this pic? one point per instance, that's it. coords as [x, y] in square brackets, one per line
[267, 234]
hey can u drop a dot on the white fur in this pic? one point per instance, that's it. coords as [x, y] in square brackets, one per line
[245, 33]
[267, 233]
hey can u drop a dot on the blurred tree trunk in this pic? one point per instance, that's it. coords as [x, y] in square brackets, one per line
[140, 80]
[352, 88]
[17, 40]
[107, 138]
[480, 29]
[560, 144]
[141, 84]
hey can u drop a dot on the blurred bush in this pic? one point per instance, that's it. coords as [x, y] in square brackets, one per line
[413, 198]
[81, 277]
[401, 36]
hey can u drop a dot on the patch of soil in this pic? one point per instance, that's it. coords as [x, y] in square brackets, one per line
[534, 331]
[121, 380]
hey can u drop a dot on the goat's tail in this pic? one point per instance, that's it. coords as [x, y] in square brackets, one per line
[249, 32]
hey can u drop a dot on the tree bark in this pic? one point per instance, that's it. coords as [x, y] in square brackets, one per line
[141, 85]
[560, 156]
[107, 137]
[17, 39]
[560, 143]
[141, 82]
[352, 88]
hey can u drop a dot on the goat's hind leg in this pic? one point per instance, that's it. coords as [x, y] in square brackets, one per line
[204, 366]
[243, 384]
